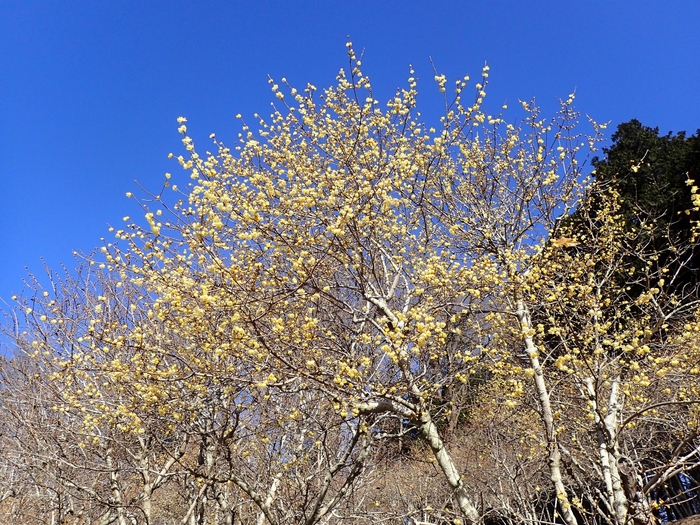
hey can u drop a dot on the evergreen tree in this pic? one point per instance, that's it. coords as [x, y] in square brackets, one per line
[653, 175]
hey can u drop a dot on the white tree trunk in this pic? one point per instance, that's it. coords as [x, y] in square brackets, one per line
[270, 498]
[606, 433]
[116, 490]
[620, 501]
[547, 415]
[431, 435]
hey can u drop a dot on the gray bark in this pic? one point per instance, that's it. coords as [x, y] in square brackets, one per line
[554, 460]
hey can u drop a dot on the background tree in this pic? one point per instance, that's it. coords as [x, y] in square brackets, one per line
[651, 174]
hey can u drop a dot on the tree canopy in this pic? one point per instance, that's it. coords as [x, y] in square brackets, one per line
[348, 277]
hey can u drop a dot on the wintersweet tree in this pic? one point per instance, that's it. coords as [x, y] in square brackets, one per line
[345, 249]
[70, 425]
[625, 364]
[339, 278]
[187, 447]
[614, 372]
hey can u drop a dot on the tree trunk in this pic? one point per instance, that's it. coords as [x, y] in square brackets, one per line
[639, 508]
[547, 414]
[116, 490]
[606, 433]
[430, 433]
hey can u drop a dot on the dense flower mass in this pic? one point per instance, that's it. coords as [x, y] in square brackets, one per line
[346, 288]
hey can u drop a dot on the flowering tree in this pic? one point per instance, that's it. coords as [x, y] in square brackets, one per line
[617, 357]
[333, 282]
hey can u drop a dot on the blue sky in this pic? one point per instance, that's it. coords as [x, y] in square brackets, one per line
[89, 91]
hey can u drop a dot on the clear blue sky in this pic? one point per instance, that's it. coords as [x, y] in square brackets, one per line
[90, 90]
